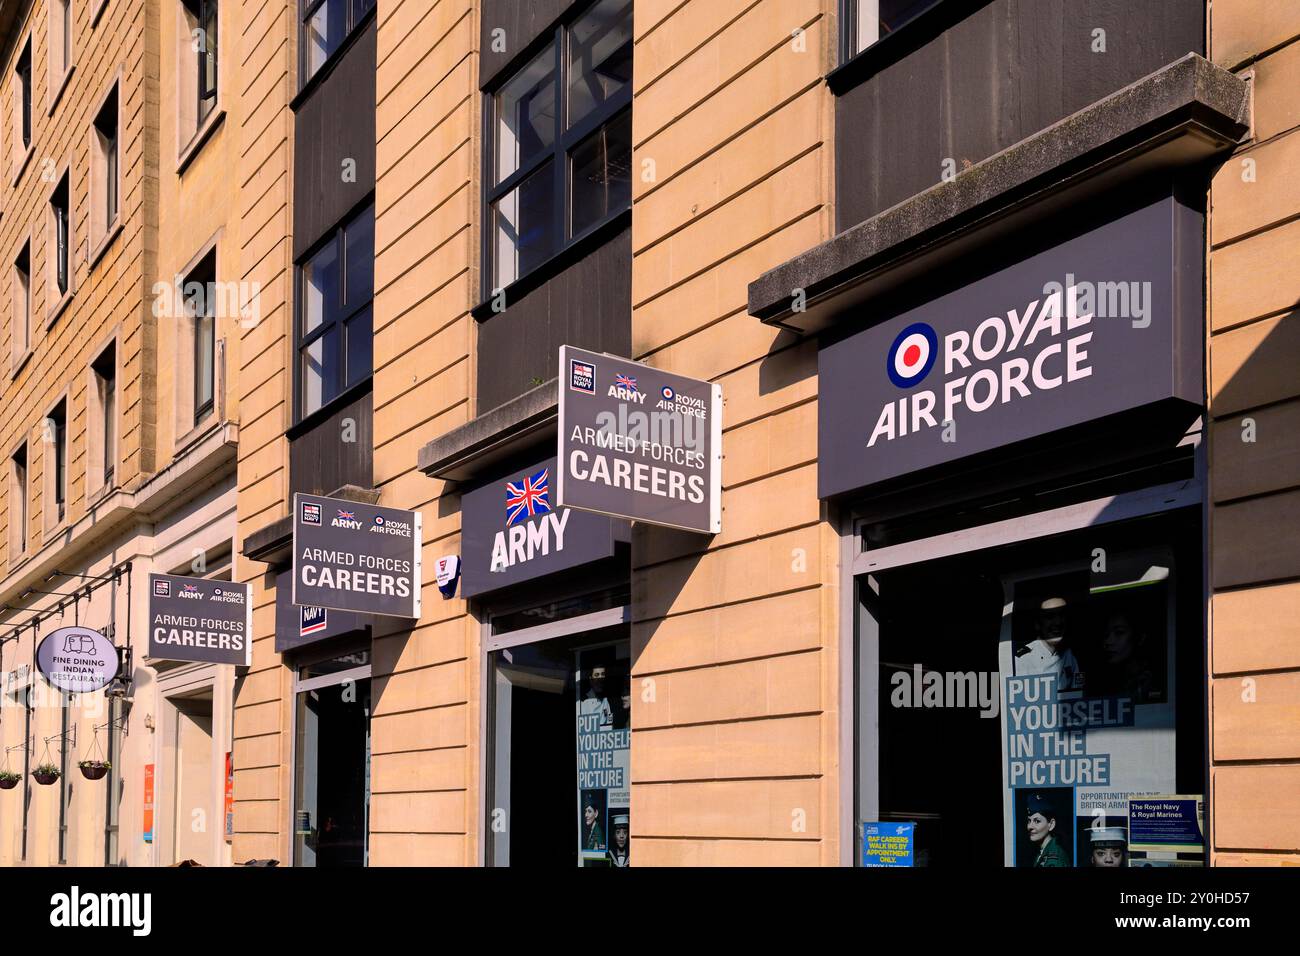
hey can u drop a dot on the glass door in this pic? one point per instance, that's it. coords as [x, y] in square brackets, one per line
[332, 762]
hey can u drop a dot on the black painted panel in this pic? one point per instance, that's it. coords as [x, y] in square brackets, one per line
[335, 122]
[1004, 72]
[521, 23]
[321, 462]
[589, 304]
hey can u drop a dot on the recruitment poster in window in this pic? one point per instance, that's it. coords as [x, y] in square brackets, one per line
[1086, 661]
[604, 737]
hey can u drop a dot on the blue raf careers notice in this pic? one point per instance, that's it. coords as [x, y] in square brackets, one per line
[888, 844]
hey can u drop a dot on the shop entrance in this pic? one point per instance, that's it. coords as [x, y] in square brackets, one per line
[1011, 699]
[560, 725]
[332, 762]
[193, 751]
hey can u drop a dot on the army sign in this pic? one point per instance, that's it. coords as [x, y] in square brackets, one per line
[638, 442]
[194, 619]
[353, 556]
[77, 659]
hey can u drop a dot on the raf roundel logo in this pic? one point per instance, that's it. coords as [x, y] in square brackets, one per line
[667, 393]
[912, 355]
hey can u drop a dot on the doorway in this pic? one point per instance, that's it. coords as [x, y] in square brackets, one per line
[192, 809]
[332, 762]
[560, 723]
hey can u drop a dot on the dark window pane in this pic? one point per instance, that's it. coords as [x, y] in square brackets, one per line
[360, 8]
[873, 19]
[601, 181]
[359, 254]
[320, 371]
[320, 288]
[360, 346]
[207, 61]
[600, 56]
[525, 114]
[524, 228]
[324, 33]
[204, 355]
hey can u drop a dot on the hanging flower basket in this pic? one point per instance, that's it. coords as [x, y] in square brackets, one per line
[94, 769]
[9, 779]
[46, 774]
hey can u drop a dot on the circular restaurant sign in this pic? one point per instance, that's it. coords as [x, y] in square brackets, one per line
[77, 659]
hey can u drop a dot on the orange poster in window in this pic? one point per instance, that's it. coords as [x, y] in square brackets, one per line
[148, 803]
[230, 794]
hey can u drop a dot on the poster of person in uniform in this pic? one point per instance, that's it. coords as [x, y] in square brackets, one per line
[1086, 664]
[603, 683]
[619, 842]
[1045, 839]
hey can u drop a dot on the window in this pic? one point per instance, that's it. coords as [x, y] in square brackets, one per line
[22, 107]
[561, 156]
[1024, 629]
[866, 21]
[56, 463]
[59, 26]
[18, 502]
[200, 309]
[22, 302]
[559, 751]
[335, 330]
[60, 241]
[198, 71]
[103, 416]
[325, 25]
[105, 184]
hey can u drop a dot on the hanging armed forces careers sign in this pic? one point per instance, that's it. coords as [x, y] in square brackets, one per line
[356, 557]
[637, 442]
[1099, 324]
[194, 619]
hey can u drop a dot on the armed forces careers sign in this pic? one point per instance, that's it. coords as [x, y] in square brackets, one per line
[77, 660]
[1099, 324]
[194, 619]
[640, 443]
[512, 530]
[356, 557]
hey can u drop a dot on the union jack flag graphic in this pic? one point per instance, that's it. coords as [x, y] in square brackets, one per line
[527, 497]
[626, 381]
[191, 588]
[348, 515]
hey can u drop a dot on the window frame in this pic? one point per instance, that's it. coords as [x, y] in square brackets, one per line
[564, 142]
[58, 301]
[194, 127]
[849, 11]
[57, 486]
[21, 120]
[345, 392]
[354, 23]
[18, 359]
[102, 417]
[66, 26]
[19, 549]
[201, 410]
[102, 234]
